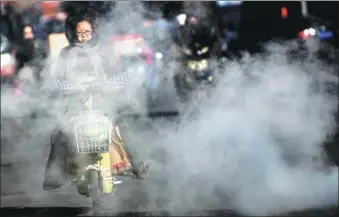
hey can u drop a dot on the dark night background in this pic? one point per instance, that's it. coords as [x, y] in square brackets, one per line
[266, 15]
[259, 21]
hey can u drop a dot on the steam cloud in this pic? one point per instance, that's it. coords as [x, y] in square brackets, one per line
[255, 143]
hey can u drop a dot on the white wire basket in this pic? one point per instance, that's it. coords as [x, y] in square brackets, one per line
[93, 132]
[116, 81]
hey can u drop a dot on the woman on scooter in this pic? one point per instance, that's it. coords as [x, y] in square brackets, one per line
[80, 30]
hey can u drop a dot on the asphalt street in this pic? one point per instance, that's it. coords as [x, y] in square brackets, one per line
[24, 152]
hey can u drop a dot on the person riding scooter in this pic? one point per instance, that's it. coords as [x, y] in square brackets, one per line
[197, 41]
[80, 30]
[194, 33]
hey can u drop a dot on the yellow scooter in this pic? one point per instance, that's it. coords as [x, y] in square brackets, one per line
[94, 156]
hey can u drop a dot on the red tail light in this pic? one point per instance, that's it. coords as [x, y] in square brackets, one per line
[303, 35]
[307, 33]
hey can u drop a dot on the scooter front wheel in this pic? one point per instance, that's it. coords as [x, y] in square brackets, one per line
[95, 192]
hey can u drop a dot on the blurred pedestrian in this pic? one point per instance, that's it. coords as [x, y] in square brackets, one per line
[30, 52]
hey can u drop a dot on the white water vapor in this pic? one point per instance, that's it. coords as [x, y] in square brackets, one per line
[255, 144]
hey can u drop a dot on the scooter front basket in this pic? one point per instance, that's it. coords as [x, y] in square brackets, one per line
[93, 132]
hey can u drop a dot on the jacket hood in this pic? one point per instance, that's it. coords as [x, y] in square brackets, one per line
[73, 19]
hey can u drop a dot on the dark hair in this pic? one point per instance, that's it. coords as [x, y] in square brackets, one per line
[90, 16]
[75, 18]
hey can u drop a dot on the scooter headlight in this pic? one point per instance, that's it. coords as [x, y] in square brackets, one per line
[202, 65]
[203, 51]
[198, 65]
[192, 65]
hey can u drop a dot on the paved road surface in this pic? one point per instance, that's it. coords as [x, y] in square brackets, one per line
[22, 188]
[24, 157]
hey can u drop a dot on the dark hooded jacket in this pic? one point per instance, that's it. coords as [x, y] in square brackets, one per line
[29, 49]
[54, 174]
[80, 57]
[70, 28]
[195, 36]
